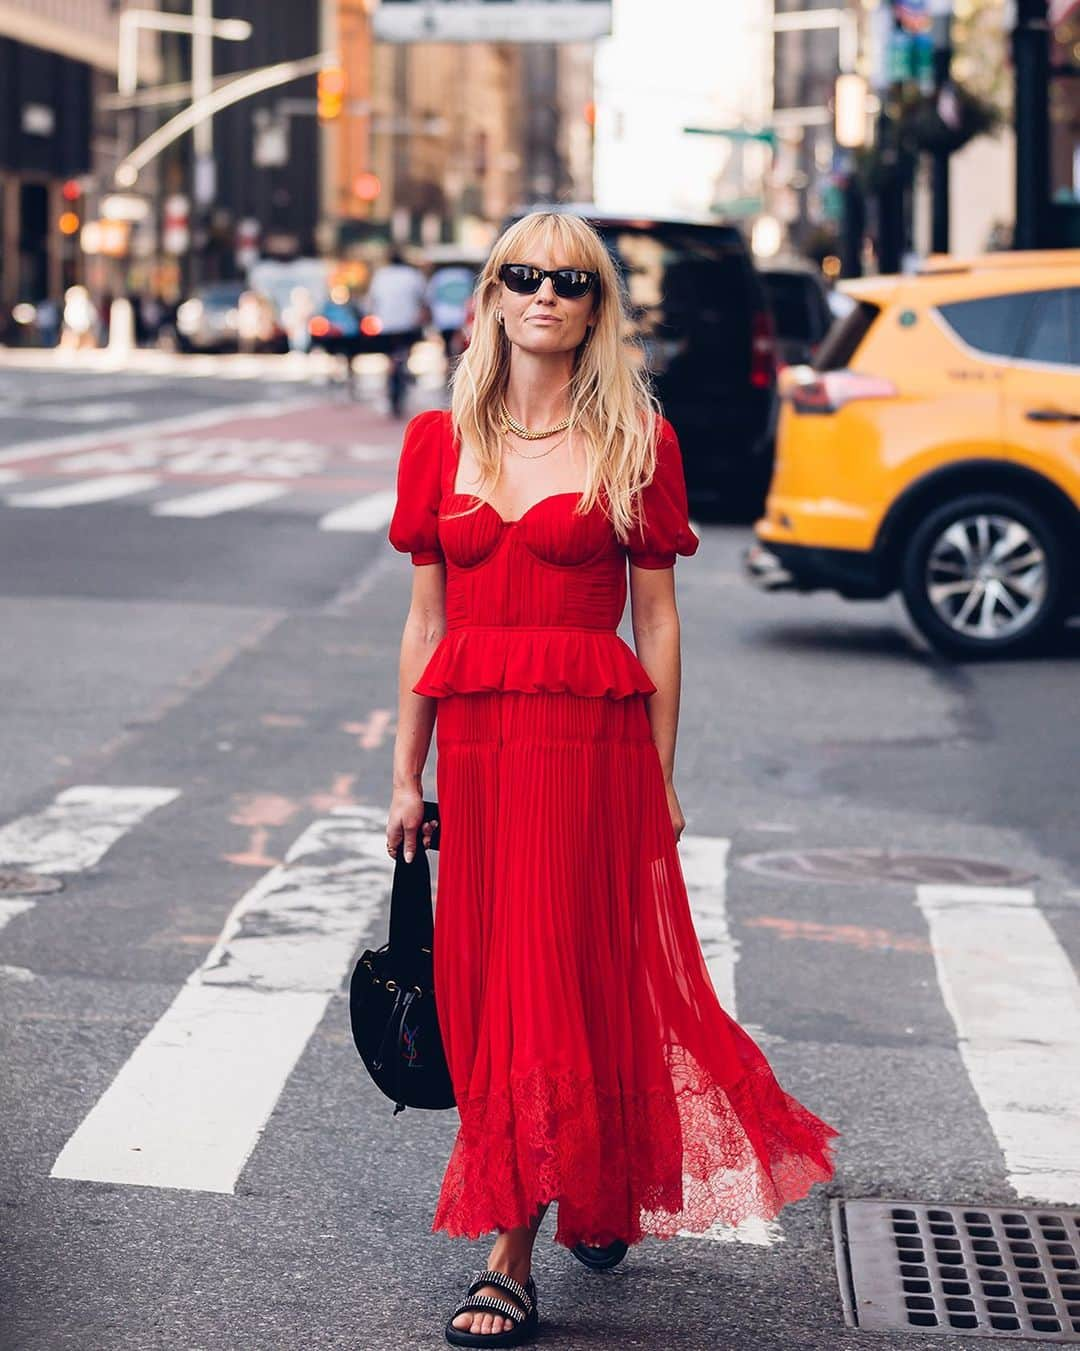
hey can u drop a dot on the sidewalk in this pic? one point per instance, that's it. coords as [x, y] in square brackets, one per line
[315, 368]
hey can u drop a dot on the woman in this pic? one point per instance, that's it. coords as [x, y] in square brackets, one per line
[591, 1061]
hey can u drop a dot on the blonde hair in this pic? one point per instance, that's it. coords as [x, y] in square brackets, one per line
[612, 404]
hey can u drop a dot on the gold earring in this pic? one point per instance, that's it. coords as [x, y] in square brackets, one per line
[498, 316]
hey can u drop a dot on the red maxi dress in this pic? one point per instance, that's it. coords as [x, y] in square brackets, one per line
[591, 1060]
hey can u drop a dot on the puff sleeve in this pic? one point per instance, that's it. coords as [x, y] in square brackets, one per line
[414, 526]
[664, 530]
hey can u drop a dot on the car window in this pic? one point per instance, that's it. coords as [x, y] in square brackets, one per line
[690, 294]
[1047, 337]
[991, 324]
[845, 337]
[792, 299]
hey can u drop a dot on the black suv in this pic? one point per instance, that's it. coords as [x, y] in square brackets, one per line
[701, 315]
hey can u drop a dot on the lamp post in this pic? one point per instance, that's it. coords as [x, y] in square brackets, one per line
[939, 166]
[1031, 63]
[203, 28]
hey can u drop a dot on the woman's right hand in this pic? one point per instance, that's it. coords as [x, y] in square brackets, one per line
[405, 820]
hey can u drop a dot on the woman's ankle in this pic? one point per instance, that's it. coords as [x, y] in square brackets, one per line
[514, 1259]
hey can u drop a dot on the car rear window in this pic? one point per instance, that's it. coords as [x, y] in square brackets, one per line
[991, 324]
[792, 300]
[845, 337]
[692, 291]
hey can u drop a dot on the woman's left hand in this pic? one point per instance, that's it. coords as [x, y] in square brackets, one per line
[678, 821]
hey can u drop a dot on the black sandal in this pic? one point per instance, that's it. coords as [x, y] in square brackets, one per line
[600, 1259]
[526, 1318]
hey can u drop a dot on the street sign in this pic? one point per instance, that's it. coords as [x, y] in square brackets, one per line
[176, 230]
[480, 21]
[125, 206]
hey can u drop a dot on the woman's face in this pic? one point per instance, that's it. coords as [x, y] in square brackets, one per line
[544, 323]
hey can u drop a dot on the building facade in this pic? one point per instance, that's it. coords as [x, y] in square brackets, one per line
[56, 58]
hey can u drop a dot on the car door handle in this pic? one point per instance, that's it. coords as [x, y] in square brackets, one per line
[1051, 415]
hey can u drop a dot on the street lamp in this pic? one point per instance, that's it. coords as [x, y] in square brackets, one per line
[131, 20]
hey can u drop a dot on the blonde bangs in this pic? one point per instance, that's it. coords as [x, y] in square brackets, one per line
[612, 405]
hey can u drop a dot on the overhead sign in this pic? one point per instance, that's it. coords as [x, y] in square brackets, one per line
[492, 20]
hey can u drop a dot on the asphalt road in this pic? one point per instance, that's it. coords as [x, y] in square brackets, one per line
[242, 664]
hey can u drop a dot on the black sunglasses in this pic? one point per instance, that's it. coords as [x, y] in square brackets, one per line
[569, 283]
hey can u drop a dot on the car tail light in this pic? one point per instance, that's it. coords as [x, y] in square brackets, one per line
[371, 326]
[827, 391]
[321, 327]
[762, 350]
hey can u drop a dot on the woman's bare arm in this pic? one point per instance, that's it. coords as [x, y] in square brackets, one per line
[425, 626]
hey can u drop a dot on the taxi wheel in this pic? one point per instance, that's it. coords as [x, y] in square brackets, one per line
[982, 576]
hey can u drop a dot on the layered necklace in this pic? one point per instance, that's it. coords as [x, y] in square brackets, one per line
[510, 423]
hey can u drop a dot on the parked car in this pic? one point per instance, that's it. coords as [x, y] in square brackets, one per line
[700, 312]
[799, 301]
[934, 448]
[223, 316]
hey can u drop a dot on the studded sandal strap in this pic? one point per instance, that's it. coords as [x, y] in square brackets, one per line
[502, 1281]
[488, 1304]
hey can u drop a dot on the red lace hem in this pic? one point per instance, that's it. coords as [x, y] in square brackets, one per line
[590, 662]
[656, 1163]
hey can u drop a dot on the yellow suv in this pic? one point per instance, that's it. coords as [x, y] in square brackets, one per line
[934, 448]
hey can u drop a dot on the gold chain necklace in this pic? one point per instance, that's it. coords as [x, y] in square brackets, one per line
[539, 456]
[511, 423]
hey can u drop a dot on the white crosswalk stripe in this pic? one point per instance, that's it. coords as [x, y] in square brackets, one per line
[705, 870]
[190, 1104]
[1015, 1000]
[216, 501]
[85, 491]
[73, 833]
[366, 515]
[10, 908]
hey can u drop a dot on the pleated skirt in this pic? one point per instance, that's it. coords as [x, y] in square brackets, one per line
[592, 1062]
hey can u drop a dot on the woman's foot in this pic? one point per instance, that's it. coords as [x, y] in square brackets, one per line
[515, 1265]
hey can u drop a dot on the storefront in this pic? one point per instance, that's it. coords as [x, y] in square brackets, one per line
[44, 143]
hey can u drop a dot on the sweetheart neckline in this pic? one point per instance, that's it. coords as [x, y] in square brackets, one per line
[551, 497]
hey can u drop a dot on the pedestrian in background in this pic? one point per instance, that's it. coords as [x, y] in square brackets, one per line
[592, 1063]
[397, 298]
[448, 292]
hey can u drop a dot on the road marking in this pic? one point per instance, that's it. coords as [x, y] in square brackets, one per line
[1015, 1000]
[368, 515]
[867, 938]
[86, 412]
[705, 870]
[190, 1104]
[215, 501]
[9, 908]
[89, 490]
[371, 734]
[78, 827]
[704, 864]
[138, 431]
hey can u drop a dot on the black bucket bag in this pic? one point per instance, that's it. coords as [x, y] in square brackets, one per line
[392, 993]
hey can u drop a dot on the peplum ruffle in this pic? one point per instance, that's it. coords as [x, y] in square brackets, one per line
[595, 663]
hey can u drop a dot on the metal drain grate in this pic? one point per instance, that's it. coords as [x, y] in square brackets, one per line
[983, 1271]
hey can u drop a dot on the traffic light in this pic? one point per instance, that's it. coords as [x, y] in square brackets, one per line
[331, 93]
[69, 222]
